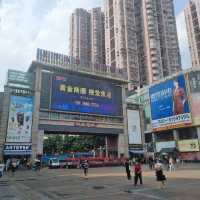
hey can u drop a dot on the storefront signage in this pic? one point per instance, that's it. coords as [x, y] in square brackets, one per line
[19, 149]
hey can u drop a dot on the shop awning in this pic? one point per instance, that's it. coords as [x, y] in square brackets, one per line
[168, 150]
[136, 151]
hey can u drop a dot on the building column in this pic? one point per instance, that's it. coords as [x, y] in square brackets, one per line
[106, 145]
[35, 130]
[198, 133]
[154, 142]
[176, 135]
[4, 120]
[123, 138]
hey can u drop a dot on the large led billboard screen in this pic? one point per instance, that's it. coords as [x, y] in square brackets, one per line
[169, 104]
[83, 94]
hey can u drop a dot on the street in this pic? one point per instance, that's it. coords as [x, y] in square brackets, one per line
[102, 183]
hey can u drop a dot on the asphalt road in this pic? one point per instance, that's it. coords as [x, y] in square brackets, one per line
[101, 184]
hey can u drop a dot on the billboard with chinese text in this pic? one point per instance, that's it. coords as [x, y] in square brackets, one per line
[74, 93]
[20, 119]
[169, 104]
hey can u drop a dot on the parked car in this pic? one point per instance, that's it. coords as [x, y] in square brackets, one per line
[54, 163]
[63, 163]
[73, 163]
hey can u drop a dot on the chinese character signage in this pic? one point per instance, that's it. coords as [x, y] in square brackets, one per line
[20, 119]
[85, 95]
[194, 81]
[169, 104]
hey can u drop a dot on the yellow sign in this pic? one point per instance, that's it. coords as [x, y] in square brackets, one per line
[188, 145]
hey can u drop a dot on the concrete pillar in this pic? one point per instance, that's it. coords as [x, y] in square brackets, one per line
[176, 135]
[106, 145]
[154, 142]
[123, 138]
[198, 133]
[4, 120]
[36, 113]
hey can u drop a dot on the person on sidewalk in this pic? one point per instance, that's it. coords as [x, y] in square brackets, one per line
[171, 164]
[2, 167]
[138, 173]
[85, 167]
[160, 177]
[128, 171]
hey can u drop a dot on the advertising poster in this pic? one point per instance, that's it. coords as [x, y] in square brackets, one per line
[20, 119]
[194, 80]
[86, 95]
[145, 101]
[188, 145]
[134, 130]
[169, 104]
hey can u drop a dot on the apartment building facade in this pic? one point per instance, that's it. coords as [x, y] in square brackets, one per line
[192, 18]
[87, 36]
[120, 38]
[141, 36]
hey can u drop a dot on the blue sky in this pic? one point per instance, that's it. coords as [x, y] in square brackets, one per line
[179, 5]
[30, 24]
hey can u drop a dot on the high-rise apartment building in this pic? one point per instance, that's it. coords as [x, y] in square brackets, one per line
[97, 36]
[141, 36]
[120, 37]
[87, 42]
[192, 18]
[161, 40]
[80, 39]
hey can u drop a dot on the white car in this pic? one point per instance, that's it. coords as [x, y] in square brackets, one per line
[54, 163]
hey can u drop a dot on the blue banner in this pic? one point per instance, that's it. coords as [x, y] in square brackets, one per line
[169, 103]
[85, 95]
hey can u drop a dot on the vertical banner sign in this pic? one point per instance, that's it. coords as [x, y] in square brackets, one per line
[20, 119]
[145, 101]
[194, 80]
[169, 104]
[134, 130]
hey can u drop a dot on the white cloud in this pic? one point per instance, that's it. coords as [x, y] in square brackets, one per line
[183, 41]
[28, 25]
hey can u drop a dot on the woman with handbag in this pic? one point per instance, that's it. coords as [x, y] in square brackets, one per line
[160, 177]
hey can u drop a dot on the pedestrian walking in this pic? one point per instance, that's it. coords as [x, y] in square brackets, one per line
[85, 167]
[138, 173]
[160, 177]
[13, 165]
[151, 163]
[171, 164]
[8, 162]
[2, 166]
[128, 171]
